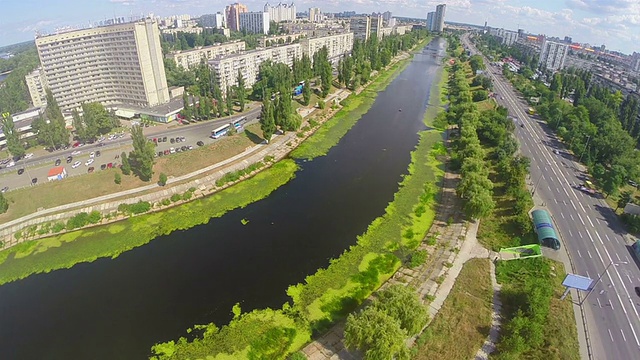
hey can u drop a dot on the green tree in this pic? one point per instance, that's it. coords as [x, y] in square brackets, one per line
[480, 204]
[306, 92]
[229, 101]
[141, 158]
[126, 166]
[241, 91]
[624, 199]
[12, 136]
[267, 121]
[378, 335]
[4, 204]
[163, 179]
[117, 178]
[402, 303]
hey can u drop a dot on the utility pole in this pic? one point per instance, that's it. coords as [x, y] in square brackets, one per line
[593, 285]
[585, 148]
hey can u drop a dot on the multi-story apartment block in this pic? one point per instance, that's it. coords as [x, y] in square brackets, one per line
[361, 27]
[553, 54]
[337, 45]
[635, 62]
[386, 16]
[37, 85]
[232, 13]
[189, 58]
[255, 22]
[120, 63]
[430, 17]
[315, 15]
[376, 26]
[281, 12]
[226, 68]
[215, 21]
[438, 19]
[278, 39]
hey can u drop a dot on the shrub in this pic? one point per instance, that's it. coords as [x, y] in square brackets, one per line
[313, 123]
[268, 158]
[192, 189]
[18, 235]
[118, 178]
[140, 207]
[4, 204]
[187, 195]
[77, 221]
[57, 227]
[163, 179]
[94, 217]
[165, 202]
[321, 104]
[176, 197]
[418, 258]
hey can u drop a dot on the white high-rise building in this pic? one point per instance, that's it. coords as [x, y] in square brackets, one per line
[281, 12]
[553, 55]
[113, 64]
[438, 19]
[361, 27]
[337, 45]
[635, 62]
[188, 58]
[315, 15]
[430, 16]
[255, 22]
[37, 85]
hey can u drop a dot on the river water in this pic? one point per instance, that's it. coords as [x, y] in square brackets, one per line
[117, 309]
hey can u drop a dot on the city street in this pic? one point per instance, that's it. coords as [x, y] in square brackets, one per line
[39, 166]
[591, 232]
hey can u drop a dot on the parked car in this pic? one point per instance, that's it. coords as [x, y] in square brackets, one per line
[164, 139]
[92, 155]
[182, 138]
[172, 140]
[200, 143]
[109, 165]
[10, 164]
[98, 153]
[34, 180]
[183, 148]
[101, 144]
[69, 159]
[5, 189]
[76, 164]
[58, 162]
[89, 162]
[28, 156]
[160, 153]
[77, 152]
[103, 166]
[167, 152]
[172, 150]
[190, 147]
[20, 171]
[90, 170]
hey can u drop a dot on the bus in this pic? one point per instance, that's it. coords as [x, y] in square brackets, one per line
[239, 123]
[221, 131]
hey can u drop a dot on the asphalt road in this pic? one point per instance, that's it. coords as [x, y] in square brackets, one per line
[591, 232]
[39, 166]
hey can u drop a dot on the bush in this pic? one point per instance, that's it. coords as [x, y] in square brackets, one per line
[163, 179]
[192, 189]
[165, 202]
[94, 217]
[321, 105]
[78, 221]
[140, 207]
[4, 204]
[176, 197]
[480, 95]
[57, 227]
[418, 258]
[187, 195]
[118, 178]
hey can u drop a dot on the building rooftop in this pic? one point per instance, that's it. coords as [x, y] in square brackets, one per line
[173, 106]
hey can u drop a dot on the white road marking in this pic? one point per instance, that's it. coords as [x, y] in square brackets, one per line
[599, 304]
[556, 201]
[623, 337]
[598, 221]
[574, 205]
[618, 256]
[599, 238]
[629, 277]
[590, 237]
[580, 255]
[607, 236]
[565, 191]
[589, 253]
[582, 207]
[561, 214]
[588, 218]
[570, 234]
[580, 217]
[611, 336]
[571, 215]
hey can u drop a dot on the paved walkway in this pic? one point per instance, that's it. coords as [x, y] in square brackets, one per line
[489, 345]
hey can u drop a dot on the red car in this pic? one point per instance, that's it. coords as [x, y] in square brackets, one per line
[76, 144]
[109, 165]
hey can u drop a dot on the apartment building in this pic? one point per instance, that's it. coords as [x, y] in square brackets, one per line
[232, 13]
[215, 21]
[361, 27]
[430, 17]
[113, 64]
[255, 22]
[37, 85]
[226, 68]
[281, 12]
[553, 55]
[315, 15]
[337, 45]
[278, 39]
[189, 58]
[377, 26]
[438, 19]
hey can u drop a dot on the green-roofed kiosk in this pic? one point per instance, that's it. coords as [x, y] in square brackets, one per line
[543, 226]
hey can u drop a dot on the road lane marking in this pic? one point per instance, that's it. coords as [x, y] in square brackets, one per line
[580, 217]
[607, 236]
[589, 253]
[571, 216]
[611, 336]
[623, 337]
[549, 187]
[565, 191]
[599, 304]
[629, 277]
[580, 203]
[589, 276]
[558, 190]
[590, 237]
[570, 234]
[556, 201]
[574, 205]
[618, 256]
[561, 214]
[580, 255]
[599, 238]
[598, 221]
[588, 218]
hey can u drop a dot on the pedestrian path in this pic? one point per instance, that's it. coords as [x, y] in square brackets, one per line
[489, 345]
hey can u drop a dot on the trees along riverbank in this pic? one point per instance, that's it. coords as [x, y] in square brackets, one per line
[331, 293]
[536, 324]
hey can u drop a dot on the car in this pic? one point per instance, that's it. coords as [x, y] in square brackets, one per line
[167, 152]
[98, 153]
[34, 180]
[178, 139]
[183, 148]
[103, 166]
[200, 143]
[77, 152]
[89, 162]
[75, 145]
[92, 154]
[28, 156]
[633, 183]
[10, 164]
[164, 139]
[58, 162]
[5, 161]
[172, 140]
[69, 159]
[160, 153]
[190, 147]
[100, 145]
[76, 164]
[172, 150]
[155, 140]
[90, 170]
[182, 138]
[20, 171]
[555, 151]
[178, 150]
[637, 289]
[5, 189]
[109, 165]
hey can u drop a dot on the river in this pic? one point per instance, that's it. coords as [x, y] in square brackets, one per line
[117, 309]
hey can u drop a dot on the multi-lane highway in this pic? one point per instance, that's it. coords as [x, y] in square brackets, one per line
[591, 232]
[38, 166]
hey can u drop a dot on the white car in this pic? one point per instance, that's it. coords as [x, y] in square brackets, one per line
[76, 164]
[92, 154]
[28, 156]
[10, 164]
[76, 152]
[172, 150]
[89, 162]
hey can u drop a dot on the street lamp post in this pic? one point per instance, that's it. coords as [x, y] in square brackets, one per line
[538, 182]
[585, 148]
[593, 286]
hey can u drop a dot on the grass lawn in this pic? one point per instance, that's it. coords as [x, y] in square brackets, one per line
[488, 104]
[463, 323]
[560, 330]
[28, 200]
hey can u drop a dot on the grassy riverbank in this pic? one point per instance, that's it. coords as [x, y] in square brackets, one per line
[64, 251]
[354, 106]
[463, 322]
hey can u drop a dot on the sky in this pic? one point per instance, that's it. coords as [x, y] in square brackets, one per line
[615, 23]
